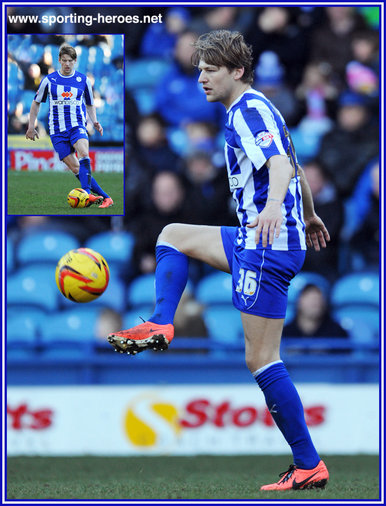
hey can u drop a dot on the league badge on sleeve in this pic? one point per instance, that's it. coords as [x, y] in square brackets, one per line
[264, 139]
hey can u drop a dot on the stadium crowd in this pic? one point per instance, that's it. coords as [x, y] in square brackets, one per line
[319, 65]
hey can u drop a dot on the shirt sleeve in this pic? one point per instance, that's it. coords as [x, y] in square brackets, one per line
[88, 94]
[42, 93]
[258, 133]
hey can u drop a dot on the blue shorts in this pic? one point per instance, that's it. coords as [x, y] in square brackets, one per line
[261, 277]
[63, 143]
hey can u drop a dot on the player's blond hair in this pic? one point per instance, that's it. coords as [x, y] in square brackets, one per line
[69, 51]
[225, 48]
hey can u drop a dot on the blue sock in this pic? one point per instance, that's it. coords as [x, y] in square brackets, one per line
[95, 187]
[286, 408]
[85, 173]
[171, 276]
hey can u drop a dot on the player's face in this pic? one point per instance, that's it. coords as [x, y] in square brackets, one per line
[66, 65]
[220, 84]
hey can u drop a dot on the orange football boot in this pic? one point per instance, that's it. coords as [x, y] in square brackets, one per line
[94, 199]
[145, 336]
[107, 202]
[300, 479]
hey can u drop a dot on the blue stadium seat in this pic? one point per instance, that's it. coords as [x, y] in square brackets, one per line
[113, 246]
[22, 330]
[68, 334]
[224, 324]
[26, 99]
[215, 288]
[82, 57]
[304, 278]
[141, 291]
[144, 72]
[45, 247]
[362, 323]
[22, 335]
[360, 288]
[10, 256]
[144, 98]
[33, 286]
[117, 47]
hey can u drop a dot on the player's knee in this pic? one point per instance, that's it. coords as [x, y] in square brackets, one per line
[255, 362]
[170, 234]
[82, 153]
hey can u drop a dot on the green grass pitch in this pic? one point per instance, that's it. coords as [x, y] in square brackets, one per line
[203, 477]
[45, 193]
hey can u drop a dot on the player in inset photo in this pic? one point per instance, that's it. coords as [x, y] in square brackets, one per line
[71, 99]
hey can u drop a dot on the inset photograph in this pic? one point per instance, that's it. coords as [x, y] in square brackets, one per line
[65, 124]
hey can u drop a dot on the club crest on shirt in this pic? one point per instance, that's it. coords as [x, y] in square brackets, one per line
[264, 139]
[79, 79]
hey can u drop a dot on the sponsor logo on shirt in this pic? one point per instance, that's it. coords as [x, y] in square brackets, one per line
[234, 182]
[264, 139]
[66, 94]
[66, 102]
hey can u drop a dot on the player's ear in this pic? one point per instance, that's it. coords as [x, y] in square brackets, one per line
[238, 73]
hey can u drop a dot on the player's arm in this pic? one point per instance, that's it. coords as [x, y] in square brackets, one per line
[91, 110]
[268, 222]
[31, 131]
[316, 232]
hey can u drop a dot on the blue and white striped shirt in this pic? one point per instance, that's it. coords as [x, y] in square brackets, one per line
[255, 131]
[68, 96]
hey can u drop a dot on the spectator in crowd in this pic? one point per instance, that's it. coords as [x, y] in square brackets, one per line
[270, 80]
[275, 30]
[107, 318]
[33, 77]
[160, 39]
[365, 241]
[317, 92]
[312, 317]
[351, 144]
[221, 17]
[168, 204]
[330, 209]
[362, 72]
[332, 41]
[208, 191]
[201, 136]
[188, 321]
[18, 120]
[178, 97]
[153, 149]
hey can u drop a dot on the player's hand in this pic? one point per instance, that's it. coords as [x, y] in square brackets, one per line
[31, 134]
[98, 127]
[267, 224]
[316, 233]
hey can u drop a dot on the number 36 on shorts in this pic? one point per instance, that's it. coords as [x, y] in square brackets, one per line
[247, 283]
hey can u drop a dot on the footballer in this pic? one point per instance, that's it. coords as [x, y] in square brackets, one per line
[70, 99]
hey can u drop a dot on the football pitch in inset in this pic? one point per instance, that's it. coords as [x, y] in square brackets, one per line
[46, 193]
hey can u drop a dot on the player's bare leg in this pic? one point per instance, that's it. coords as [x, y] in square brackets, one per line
[262, 340]
[72, 163]
[82, 148]
[175, 243]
